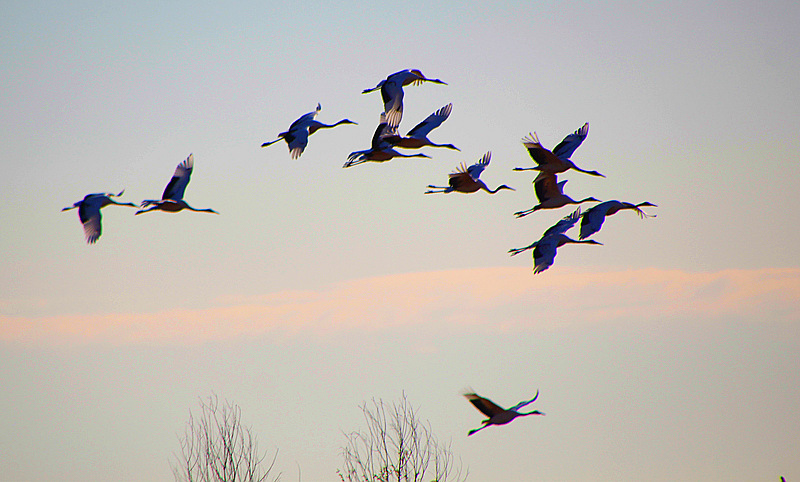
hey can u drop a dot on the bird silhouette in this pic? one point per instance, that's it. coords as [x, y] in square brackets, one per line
[172, 199]
[418, 136]
[467, 179]
[592, 219]
[550, 194]
[296, 136]
[558, 160]
[544, 250]
[381, 150]
[392, 91]
[89, 212]
[498, 415]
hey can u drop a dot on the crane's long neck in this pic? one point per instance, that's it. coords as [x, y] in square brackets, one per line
[319, 125]
[448, 146]
[207, 210]
[499, 188]
[592, 173]
[122, 204]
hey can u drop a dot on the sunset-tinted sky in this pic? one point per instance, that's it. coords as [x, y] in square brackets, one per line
[669, 353]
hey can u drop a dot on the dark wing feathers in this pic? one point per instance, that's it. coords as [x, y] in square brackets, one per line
[566, 148]
[544, 186]
[180, 179]
[431, 122]
[565, 224]
[486, 406]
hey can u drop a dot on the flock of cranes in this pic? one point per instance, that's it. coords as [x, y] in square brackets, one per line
[386, 140]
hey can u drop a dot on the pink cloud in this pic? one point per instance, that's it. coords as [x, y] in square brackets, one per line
[478, 299]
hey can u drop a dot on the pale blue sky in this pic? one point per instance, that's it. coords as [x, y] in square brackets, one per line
[669, 353]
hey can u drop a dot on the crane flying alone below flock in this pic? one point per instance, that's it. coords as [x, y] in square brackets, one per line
[544, 250]
[592, 219]
[558, 160]
[89, 212]
[392, 92]
[550, 194]
[467, 179]
[296, 136]
[172, 199]
[498, 415]
[381, 150]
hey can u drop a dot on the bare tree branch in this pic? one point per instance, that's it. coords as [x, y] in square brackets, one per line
[396, 447]
[218, 447]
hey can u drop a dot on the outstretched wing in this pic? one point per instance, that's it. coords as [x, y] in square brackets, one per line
[460, 177]
[566, 147]
[594, 217]
[297, 140]
[565, 224]
[546, 186]
[545, 253]
[433, 121]
[537, 152]
[476, 169]
[525, 402]
[385, 128]
[177, 185]
[305, 119]
[392, 95]
[486, 406]
[89, 214]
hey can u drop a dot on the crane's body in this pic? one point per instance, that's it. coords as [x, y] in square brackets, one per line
[296, 136]
[558, 160]
[545, 249]
[172, 199]
[467, 179]
[89, 212]
[418, 136]
[380, 150]
[592, 220]
[498, 415]
[392, 91]
[550, 193]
